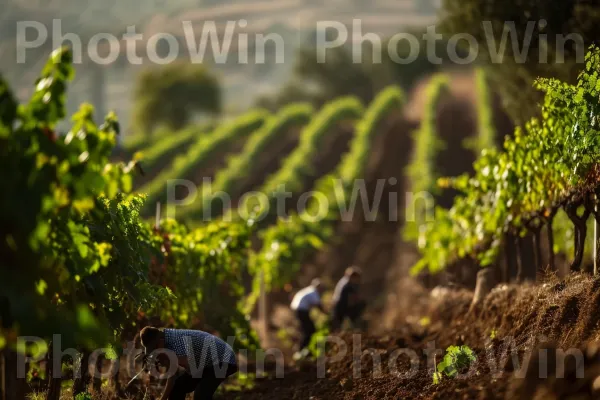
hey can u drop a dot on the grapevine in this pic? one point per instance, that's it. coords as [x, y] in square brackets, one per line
[74, 253]
[486, 133]
[550, 165]
[77, 258]
[421, 170]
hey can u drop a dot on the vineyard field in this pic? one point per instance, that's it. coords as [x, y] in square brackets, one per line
[473, 233]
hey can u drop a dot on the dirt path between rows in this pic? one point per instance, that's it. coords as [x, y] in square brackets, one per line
[536, 320]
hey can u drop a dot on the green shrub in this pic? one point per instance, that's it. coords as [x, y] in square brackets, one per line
[84, 396]
[169, 96]
[513, 75]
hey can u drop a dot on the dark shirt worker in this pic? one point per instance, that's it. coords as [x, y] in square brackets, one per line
[347, 302]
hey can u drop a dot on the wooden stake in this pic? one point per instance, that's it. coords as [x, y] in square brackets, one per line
[262, 307]
[3, 395]
[12, 385]
[596, 240]
[519, 257]
[157, 223]
[550, 233]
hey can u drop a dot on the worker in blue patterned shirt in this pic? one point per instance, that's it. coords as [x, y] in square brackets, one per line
[204, 360]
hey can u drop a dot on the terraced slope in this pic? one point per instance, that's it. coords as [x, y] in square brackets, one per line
[160, 154]
[260, 156]
[318, 140]
[203, 159]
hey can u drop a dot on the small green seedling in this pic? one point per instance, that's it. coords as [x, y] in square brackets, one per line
[83, 396]
[494, 334]
[457, 358]
[317, 343]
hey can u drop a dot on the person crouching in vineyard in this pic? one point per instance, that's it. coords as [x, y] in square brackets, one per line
[302, 303]
[204, 361]
[347, 302]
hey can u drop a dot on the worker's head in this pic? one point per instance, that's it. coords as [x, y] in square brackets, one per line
[152, 338]
[354, 274]
[318, 285]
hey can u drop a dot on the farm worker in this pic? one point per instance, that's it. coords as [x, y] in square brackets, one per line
[346, 301]
[204, 361]
[302, 303]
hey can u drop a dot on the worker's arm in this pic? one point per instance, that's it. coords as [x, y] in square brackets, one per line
[169, 387]
[183, 362]
[182, 367]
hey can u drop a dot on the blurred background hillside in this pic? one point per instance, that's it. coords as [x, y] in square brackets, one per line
[112, 86]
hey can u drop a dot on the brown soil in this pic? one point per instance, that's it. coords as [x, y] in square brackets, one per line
[546, 346]
[554, 315]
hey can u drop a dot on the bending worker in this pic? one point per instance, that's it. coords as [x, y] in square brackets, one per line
[204, 361]
[303, 302]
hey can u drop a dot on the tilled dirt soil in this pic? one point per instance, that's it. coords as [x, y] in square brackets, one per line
[531, 341]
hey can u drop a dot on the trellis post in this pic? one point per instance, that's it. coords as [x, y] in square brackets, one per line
[596, 239]
[157, 223]
[262, 307]
[3, 395]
